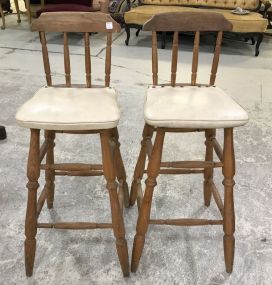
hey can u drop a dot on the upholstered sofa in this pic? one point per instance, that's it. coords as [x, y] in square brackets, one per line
[252, 25]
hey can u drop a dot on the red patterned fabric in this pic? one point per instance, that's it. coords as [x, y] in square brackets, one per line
[79, 2]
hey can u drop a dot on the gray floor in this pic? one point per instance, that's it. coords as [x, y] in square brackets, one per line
[172, 255]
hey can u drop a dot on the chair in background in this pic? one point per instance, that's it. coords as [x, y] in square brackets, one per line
[2, 2]
[182, 108]
[43, 6]
[76, 110]
[3, 133]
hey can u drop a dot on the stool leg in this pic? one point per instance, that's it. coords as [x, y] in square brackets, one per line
[117, 218]
[144, 213]
[17, 11]
[136, 189]
[3, 18]
[120, 168]
[229, 216]
[208, 172]
[33, 173]
[28, 9]
[50, 174]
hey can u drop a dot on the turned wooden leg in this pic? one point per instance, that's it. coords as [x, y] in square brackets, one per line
[144, 214]
[229, 216]
[146, 147]
[50, 174]
[208, 172]
[17, 11]
[33, 173]
[120, 169]
[27, 4]
[117, 218]
[3, 18]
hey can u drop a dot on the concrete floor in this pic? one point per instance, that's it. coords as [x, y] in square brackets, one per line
[172, 255]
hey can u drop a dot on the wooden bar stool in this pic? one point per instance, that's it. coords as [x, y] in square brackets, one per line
[3, 15]
[87, 109]
[182, 108]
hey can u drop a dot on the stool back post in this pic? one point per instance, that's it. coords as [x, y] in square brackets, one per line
[108, 60]
[154, 58]
[187, 22]
[79, 22]
[46, 62]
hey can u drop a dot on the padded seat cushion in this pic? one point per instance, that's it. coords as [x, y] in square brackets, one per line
[70, 109]
[251, 23]
[65, 7]
[192, 107]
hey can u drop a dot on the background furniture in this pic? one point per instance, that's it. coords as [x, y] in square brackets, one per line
[185, 108]
[3, 15]
[37, 7]
[252, 25]
[3, 134]
[81, 110]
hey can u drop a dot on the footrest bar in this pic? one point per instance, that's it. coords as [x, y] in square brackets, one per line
[179, 171]
[80, 173]
[75, 226]
[71, 166]
[217, 199]
[218, 149]
[191, 164]
[43, 150]
[41, 200]
[186, 222]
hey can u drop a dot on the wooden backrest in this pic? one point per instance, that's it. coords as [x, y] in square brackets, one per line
[80, 22]
[187, 22]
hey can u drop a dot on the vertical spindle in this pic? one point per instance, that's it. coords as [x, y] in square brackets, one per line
[108, 60]
[154, 58]
[87, 59]
[216, 57]
[66, 60]
[195, 59]
[174, 59]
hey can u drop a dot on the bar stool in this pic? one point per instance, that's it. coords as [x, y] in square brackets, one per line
[182, 108]
[85, 109]
[3, 15]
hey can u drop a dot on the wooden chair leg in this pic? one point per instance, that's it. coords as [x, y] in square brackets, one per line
[144, 214]
[28, 9]
[50, 174]
[120, 168]
[229, 216]
[117, 218]
[136, 189]
[208, 172]
[2, 17]
[17, 11]
[33, 174]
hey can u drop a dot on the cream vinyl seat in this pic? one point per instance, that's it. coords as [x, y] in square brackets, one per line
[55, 108]
[192, 107]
